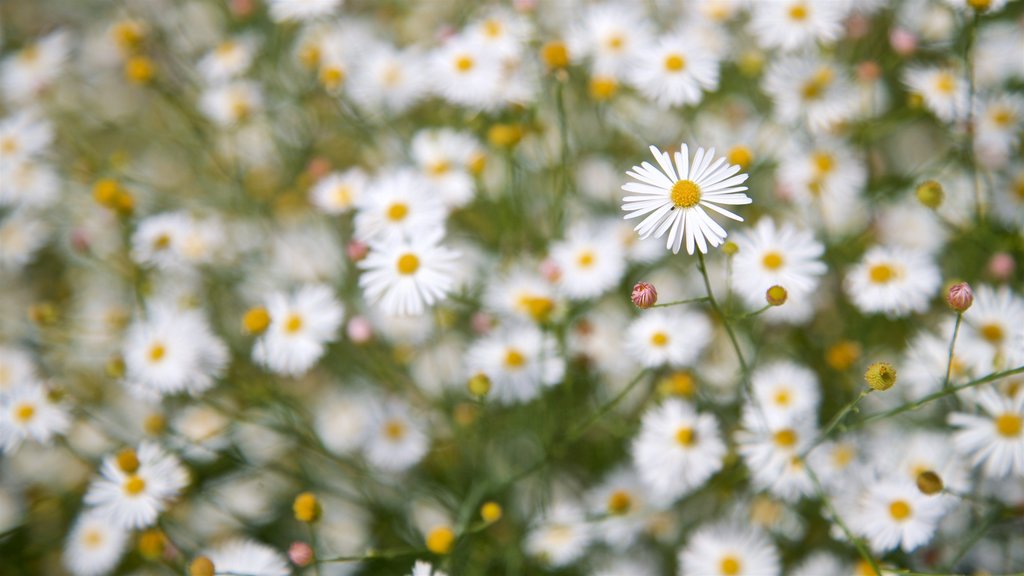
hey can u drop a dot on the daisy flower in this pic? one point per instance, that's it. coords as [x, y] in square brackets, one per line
[771, 255]
[610, 34]
[134, 487]
[994, 438]
[421, 568]
[825, 182]
[248, 557]
[342, 421]
[28, 411]
[24, 136]
[675, 203]
[172, 351]
[999, 125]
[792, 24]
[729, 550]
[522, 292]
[590, 261]
[468, 73]
[786, 390]
[809, 89]
[389, 80]
[94, 545]
[668, 337]
[675, 71]
[396, 440]
[770, 445]
[405, 277]
[232, 103]
[338, 192]
[560, 535]
[16, 369]
[300, 10]
[622, 501]
[25, 74]
[677, 450]
[447, 158]
[995, 323]
[229, 59]
[519, 361]
[21, 236]
[942, 89]
[893, 281]
[896, 514]
[397, 205]
[28, 184]
[301, 325]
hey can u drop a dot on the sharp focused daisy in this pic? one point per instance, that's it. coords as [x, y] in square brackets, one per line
[135, 486]
[893, 281]
[677, 450]
[301, 324]
[729, 550]
[674, 198]
[405, 277]
[994, 438]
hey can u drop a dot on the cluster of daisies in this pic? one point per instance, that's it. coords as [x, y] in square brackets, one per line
[721, 287]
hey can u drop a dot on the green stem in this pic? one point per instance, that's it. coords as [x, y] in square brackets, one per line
[316, 548]
[952, 344]
[728, 328]
[754, 313]
[857, 543]
[678, 302]
[561, 191]
[373, 555]
[835, 421]
[971, 158]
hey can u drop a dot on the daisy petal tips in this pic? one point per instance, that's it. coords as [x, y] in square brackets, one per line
[676, 197]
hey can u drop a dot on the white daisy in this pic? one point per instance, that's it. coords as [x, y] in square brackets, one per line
[943, 90]
[231, 103]
[448, 158]
[675, 71]
[522, 292]
[405, 276]
[27, 73]
[729, 550]
[776, 256]
[560, 535]
[21, 236]
[338, 192]
[397, 205]
[176, 240]
[301, 325]
[28, 412]
[896, 514]
[28, 184]
[389, 80]
[999, 121]
[467, 72]
[16, 369]
[229, 59]
[994, 325]
[675, 204]
[94, 545]
[285, 10]
[421, 568]
[893, 281]
[677, 450]
[622, 501]
[792, 24]
[590, 261]
[825, 182]
[811, 90]
[23, 136]
[134, 487]
[667, 337]
[786, 390]
[342, 421]
[247, 556]
[610, 34]
[993, 439]
[519, 361]
[396, 440]
[770, 445]
[172, 351]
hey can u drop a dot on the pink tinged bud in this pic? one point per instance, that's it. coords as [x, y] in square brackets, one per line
[903, 42]
[359, 330]
[550, 270]
[80, 240]
[960, 296]
[644, 295]
[318, 167]
[868, 71]
[1001, 266]
[300, 553]
[858, 26]
[524, 5]
[481, 322]
[241, 8]
[357, 250]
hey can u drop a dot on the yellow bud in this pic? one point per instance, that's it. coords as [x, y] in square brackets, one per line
[441, 540]
[930, 194]
[602, 88]
[256, 320]
[490, 512]
[201, 566]
[555, 54]
[730, 248]
[843, 355]
[128, 461]
[115, 367]
[479, 385]
[928, 482]
[139, 69]
[154, 424]
[105, 191]
[880, 376]
[504, 135]
[776, 295]
[306, 507]
[980, 5]
[151, 544]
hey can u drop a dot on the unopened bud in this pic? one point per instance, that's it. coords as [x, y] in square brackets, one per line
[479, 385]
[644, 295]
[300, 553]
[127, 461]
[357, 250]
[880, 376]
[440, 540]
[1002, 266]
[960, 297]
[306, 507]
[929, 482]
[980, 5]
[490, 512]
[929, 193]
[201, 566]
[776, 295]
[256, 320]
[730, 248]
[359, 330]
[152, 543]
[555, 55]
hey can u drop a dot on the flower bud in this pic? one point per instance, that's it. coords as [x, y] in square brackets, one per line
[201, 566]
[357, 250]
[359, 330]
[980, 5]
[256, 320]
[127, 461]
[644, 295]
[930, 194]
[152, 543]
[306, 507]
[880, 376]
[555, 55]
[300, 553]
[1001, 266]
[960, 297]
[730, 248]
[479, 385]
[440, 540]
[776, 295]
[928, 482]
[490, 512]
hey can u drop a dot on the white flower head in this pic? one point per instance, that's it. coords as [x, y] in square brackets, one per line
[301, 325]
[729, 550]
[519, 361]
[407, 276]
[668, 337]
[28, 412]
[248, 557]
[94, 545]
[135, 486]
[172, 351]
[893, 281]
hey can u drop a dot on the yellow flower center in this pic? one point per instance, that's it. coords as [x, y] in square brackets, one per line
[394, 430]
[8, 145]
[439, 168]
[408, 264]
[824, 162]
[128, 461]
[785, 438]
[899, 510]
[586, 259]
[538, 307]
[731, 565]
[685, 194]
[772, 260]
[514, 358]
[134, 485]
[992, 333]
[24, 413]
[619, 502]
[92, 538]
[464, 63]
[686, 436]
[492, 28]
[293, 324]
[675, 62]
[782, 397]
[1009, 425]
[945, 83]
[679, 384]
[157, 352]
[602, 87]
[398, 211]
[343, 195]
[741, 156]
[1002, 117]
[332, 77]
[816, 85]
[659, 339]
[615, 42]
[881, 273]
[256, 320]
[161, 242]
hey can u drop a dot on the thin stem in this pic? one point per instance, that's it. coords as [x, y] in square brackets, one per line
[562, 190]
[972, 27]
[857, 543]
[952, 344]
[725, 322]
[316, 548]
[678, 302]
[754, 313]
[936, 395]
[835, 421]
[375, 555]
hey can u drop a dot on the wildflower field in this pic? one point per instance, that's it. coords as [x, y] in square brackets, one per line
[458, 288]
